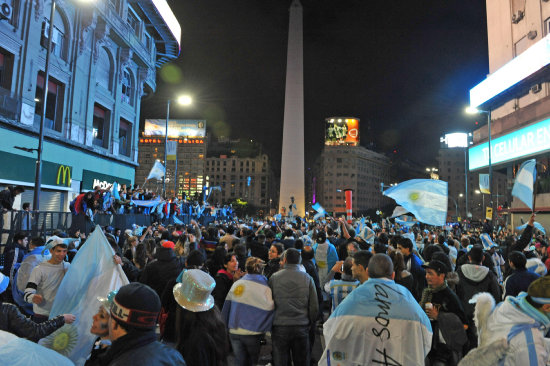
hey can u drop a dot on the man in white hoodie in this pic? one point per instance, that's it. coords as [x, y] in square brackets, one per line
[513, 333]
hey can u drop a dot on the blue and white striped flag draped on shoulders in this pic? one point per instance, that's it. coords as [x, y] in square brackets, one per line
[92, 273]
[378, 323]
[426, 199]
[525, 180]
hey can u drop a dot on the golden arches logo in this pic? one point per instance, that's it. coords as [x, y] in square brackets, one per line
[65, 172]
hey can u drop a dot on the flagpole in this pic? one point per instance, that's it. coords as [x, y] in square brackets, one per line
[165, 146]
[176, 174]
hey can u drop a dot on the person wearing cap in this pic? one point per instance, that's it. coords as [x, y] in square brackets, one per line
[473, 279]
[45, 279]
[296, 308]
[11, 319]
[201, 334]
[379, 322]
[7, 197]
[513, 332]
[248, 313]
[165, 267]
[133, 319]
[447, 317]
[520, 278]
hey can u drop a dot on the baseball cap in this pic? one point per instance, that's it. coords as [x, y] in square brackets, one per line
[437, 266]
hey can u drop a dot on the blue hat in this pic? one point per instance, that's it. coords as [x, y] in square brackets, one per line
[4, 282]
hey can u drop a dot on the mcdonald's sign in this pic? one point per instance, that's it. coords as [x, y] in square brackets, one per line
[65, 173]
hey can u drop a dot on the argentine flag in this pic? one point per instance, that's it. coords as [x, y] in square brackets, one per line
[92, 273]
[525, 180]
[426, 199]
[157, 171]
[405, 220]
[487, 241]
[320, 211]
[537, 226]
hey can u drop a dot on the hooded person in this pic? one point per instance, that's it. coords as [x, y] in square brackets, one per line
[512, 333]
[325, 256]
[12, 321]
[134, 313]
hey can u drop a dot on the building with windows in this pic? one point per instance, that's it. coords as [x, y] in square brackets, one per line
[515, 98]
[103, 59]
[350, 167]
[188, 165]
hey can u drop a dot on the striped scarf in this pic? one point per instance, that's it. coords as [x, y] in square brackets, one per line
[428, 292]
[520, 302]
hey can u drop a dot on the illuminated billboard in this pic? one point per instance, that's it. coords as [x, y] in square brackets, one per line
[176, 128]
[456, 139]
[527, 141]
[342, 131]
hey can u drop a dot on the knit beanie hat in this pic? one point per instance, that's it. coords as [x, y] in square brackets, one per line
[136, 305]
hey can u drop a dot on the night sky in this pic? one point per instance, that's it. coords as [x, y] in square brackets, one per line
[404, 68]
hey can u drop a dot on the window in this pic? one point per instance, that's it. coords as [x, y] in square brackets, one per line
[133, 21]
[124, 137]
[127, 87]
[6, 69]
[54, 102]
[100, 126]
[148, 42]
[104, 70]
[59, 41]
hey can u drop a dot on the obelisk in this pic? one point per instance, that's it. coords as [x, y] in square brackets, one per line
[292, 160]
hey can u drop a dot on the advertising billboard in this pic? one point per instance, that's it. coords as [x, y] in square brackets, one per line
[342, 131]
[176, 128]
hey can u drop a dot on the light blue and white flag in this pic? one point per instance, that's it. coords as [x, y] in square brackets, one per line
[92, 273]
[157, 171]
[114, 191]
[487, 242]
[405, 220]
[525, 180]
[17, 351]
[484, 183]
[149, 203]
[426, 199]
[537, 226]
[320, 211]
[177, 221]
[398, 211]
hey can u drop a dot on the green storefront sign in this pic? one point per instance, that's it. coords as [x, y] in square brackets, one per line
[22, 169]
[91, 179]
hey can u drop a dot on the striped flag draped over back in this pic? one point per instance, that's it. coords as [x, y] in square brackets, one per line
[426, 199]
[92, 273]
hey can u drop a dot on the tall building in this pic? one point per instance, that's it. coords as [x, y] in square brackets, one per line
[187, 161]
[515, 96]
[249, 179]
[292, 160]
[350, 167]
[103, 58]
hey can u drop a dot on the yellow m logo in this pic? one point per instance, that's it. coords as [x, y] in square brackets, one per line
[65, 172]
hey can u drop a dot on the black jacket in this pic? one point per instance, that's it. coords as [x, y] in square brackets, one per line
[223, 285]
[7, 196]
[474, 279]
[12, 321]
[259, 251]
[9, 256]
[156, 274]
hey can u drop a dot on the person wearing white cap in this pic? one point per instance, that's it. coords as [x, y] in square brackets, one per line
[11, 319]
[201, 334]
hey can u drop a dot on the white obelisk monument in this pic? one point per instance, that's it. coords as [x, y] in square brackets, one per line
[292, 162]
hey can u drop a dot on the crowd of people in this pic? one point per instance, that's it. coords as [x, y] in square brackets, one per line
[378, 293]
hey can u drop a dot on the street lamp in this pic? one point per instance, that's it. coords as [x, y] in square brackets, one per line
[38, 171]
[473, 110]
[183, 100]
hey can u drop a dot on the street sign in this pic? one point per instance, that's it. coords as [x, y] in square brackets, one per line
[489, 213]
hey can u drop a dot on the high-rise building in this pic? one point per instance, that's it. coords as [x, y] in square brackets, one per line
[292, 185]
[350, 167]
[103, 58]
[515, 97]
[187, 161]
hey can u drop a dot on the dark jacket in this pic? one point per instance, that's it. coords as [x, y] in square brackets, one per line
[12, 321]
[139, 349]
[271, 267]
[7, 196]
[224, 281]
[518, 281]
[9, 256]
[259, 251]
[474, 279]
[156, 274]
[295, 297]
[311, 269]
[418, 273]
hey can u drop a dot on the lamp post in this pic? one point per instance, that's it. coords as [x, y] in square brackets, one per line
[472, 110]
[183, 100]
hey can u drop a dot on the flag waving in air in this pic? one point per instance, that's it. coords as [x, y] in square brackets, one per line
[426, 199]
[157, 171]
[320, 211]
[92, 274]
[525, 181]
